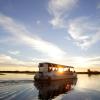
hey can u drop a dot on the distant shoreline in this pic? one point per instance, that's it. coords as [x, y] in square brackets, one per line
[89, 73]
[18, 72]
[33, 72]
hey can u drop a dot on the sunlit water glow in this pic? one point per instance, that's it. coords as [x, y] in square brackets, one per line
[22, 87]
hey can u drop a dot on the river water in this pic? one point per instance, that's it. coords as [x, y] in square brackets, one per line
[23, 87]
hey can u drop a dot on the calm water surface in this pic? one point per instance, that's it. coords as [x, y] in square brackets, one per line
[23, 87]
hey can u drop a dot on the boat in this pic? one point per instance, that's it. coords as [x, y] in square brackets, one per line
[50, 72]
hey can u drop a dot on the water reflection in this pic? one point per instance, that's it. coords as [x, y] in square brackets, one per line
[49, 90]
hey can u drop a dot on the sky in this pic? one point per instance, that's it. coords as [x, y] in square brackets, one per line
[58, 31]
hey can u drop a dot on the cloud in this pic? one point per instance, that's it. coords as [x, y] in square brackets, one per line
[94, 60]
[84, 32]
[77, 61]
[57, 22]
[38, 22]
[58, 9]
[22, 34]
[87, 61]
[5, 59]
[98, 5]
[14, 52]
[9, 63]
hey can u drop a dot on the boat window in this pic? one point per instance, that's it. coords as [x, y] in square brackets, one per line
[40, 65]
[54, 69]
[71, 69]
[50, 69]
[65, 69]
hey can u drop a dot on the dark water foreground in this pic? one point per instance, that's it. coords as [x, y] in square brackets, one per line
[23, 87]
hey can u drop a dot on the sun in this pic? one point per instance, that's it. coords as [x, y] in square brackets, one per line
[60, 70]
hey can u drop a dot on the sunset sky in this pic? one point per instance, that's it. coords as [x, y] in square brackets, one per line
[59, 31]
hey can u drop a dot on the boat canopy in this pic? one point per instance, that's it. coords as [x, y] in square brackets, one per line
[53, 65]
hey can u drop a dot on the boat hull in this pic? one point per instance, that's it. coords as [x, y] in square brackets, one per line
[54, 77]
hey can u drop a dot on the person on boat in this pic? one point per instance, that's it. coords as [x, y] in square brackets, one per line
[68, 69]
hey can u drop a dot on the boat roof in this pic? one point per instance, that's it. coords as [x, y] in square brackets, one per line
[55, 65]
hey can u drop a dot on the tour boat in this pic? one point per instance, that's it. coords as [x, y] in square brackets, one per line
[51, 71]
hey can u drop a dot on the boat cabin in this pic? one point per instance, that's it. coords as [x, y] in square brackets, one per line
[50, 67]
[51, 71]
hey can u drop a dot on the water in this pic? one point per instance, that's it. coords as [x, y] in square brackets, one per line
[23, 87]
